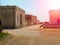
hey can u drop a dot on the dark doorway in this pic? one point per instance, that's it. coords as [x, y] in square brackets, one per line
[20, 19]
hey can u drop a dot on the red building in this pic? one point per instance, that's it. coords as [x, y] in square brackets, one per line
[30, 19]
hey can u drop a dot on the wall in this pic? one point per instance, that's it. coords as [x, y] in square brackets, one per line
[19, 17]
[7, 16]
[10, 16]
[54, 16]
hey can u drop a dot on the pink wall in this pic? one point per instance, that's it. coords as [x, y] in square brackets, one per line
[54, 16]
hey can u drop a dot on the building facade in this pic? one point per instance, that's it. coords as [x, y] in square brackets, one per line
[31, 20]
[12, 16]
[54, 19]
[36, 20]
[54, 16]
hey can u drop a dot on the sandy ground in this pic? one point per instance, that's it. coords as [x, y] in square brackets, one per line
[33, 35]
[26, 31]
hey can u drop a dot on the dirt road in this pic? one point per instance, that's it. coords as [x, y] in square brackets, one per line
[33, 35]
[26, 31]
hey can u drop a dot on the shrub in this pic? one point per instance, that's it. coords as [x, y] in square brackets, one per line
[3, 35]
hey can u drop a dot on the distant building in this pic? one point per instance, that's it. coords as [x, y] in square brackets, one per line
[30, 19]
[12, 16]
[36, 20]
[54, 19]
[54, 16]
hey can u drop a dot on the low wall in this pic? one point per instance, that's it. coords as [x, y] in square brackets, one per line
[51, 26]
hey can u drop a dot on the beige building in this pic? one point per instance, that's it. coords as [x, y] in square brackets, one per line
[12, 16]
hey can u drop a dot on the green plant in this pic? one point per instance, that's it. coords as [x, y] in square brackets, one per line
[3, 35]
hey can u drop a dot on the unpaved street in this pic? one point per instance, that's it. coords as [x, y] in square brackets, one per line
[33, 35]
[26, 31]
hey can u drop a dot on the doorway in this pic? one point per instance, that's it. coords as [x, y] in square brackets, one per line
[21, 20]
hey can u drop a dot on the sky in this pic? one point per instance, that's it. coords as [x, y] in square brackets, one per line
[39, 8]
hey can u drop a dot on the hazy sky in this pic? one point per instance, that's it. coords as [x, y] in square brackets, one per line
[38, 8]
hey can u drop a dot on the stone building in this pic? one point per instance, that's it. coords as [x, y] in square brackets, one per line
[12, 16]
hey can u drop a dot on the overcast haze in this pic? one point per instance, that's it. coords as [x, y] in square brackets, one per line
[38, 8]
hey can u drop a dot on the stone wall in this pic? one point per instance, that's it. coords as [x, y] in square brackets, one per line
[10, 16]
[7, 16]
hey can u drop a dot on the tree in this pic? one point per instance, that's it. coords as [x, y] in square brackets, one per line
[1, 26]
